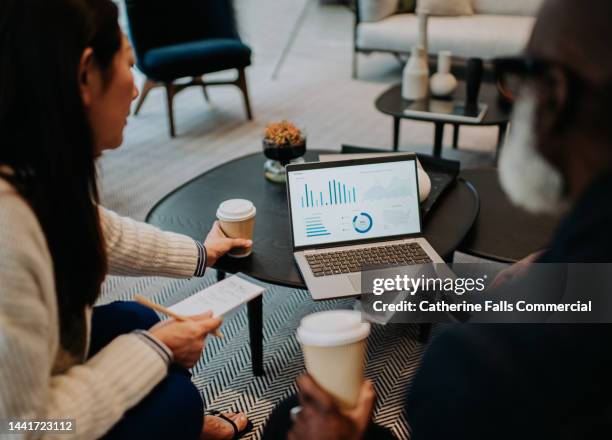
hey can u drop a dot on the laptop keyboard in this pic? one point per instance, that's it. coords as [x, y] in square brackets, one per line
[339, 262]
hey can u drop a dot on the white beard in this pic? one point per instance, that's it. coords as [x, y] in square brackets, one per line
[527, 178]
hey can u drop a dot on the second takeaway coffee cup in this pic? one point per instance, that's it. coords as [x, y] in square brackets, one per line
[334, 345]
[237, 220]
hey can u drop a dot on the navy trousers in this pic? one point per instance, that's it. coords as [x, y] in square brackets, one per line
[174, 408]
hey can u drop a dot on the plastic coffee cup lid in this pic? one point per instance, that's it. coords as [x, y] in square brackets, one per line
[332, 328]
[236, 210]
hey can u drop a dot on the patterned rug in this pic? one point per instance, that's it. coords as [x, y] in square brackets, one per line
[224, 375]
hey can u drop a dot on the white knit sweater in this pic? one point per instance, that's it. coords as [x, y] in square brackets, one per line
[37, 379]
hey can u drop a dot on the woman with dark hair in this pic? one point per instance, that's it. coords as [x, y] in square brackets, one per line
[65, 92]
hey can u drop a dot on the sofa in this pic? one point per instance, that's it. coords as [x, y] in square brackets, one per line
[497, 27]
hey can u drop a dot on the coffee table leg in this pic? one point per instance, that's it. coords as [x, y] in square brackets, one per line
[456, 136]
[438, 135]
[255, 314]
[396, 133]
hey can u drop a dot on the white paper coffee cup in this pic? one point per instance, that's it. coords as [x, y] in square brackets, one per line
[334, 345]
[237, 220]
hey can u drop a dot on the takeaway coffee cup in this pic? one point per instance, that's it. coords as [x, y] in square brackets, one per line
[237, 220]
[334, 345]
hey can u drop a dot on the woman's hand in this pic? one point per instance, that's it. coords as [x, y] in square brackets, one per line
[218, 244]
[186, 338]
[517, 269]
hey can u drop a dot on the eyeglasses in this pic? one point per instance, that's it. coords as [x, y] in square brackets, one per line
[513, 73]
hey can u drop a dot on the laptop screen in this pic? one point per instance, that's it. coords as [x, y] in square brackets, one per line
[354, 202]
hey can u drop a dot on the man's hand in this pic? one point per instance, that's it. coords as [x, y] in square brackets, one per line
[186, 338]
[516, 270]
[321, 418]
[218, 244]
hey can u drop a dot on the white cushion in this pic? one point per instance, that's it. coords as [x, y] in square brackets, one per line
[374, 10]
[507, 7]
[445, 7]
[483, 36]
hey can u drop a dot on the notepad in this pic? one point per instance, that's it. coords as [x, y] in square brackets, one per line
[221, 297]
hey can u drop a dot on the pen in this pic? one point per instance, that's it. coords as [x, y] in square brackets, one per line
[150, 304]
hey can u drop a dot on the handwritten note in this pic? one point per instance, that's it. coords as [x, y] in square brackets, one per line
[221, 297]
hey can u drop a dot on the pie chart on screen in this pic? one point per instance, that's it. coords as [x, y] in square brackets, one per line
[362, 222]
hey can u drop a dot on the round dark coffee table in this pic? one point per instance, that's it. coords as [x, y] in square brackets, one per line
[392, 103]
[191, 210]
[502, 231]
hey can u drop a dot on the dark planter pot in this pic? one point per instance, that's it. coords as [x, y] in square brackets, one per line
[283, 153]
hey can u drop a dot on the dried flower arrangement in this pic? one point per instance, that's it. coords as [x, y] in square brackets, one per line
[283, 133]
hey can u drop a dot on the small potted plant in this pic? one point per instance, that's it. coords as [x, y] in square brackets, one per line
[282, 143]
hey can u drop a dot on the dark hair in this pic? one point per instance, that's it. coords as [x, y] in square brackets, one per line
[47, 140]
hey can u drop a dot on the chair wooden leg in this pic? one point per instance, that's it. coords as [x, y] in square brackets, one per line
[355, 61]
[199, 81]
[241, 82]
[170, 92]
[205, 90]
[146, 88]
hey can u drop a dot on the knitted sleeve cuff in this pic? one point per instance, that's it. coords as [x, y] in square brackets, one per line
[157, 345]
[202, 256]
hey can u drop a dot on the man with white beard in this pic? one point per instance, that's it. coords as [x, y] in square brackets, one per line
[547, 380]
[525, 381]
[528, 179]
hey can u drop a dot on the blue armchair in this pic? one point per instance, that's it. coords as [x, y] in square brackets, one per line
[186, 39]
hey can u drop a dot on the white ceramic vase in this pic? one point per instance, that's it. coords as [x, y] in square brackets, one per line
[415, 77]
[423, 20]
[443, 83]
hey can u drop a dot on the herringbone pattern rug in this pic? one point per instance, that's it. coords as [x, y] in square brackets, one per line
[224, 374]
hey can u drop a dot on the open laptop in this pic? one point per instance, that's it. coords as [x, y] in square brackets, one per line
[350, 214]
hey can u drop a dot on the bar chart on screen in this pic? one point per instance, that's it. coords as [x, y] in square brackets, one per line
[336, 193]
[315, 227]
